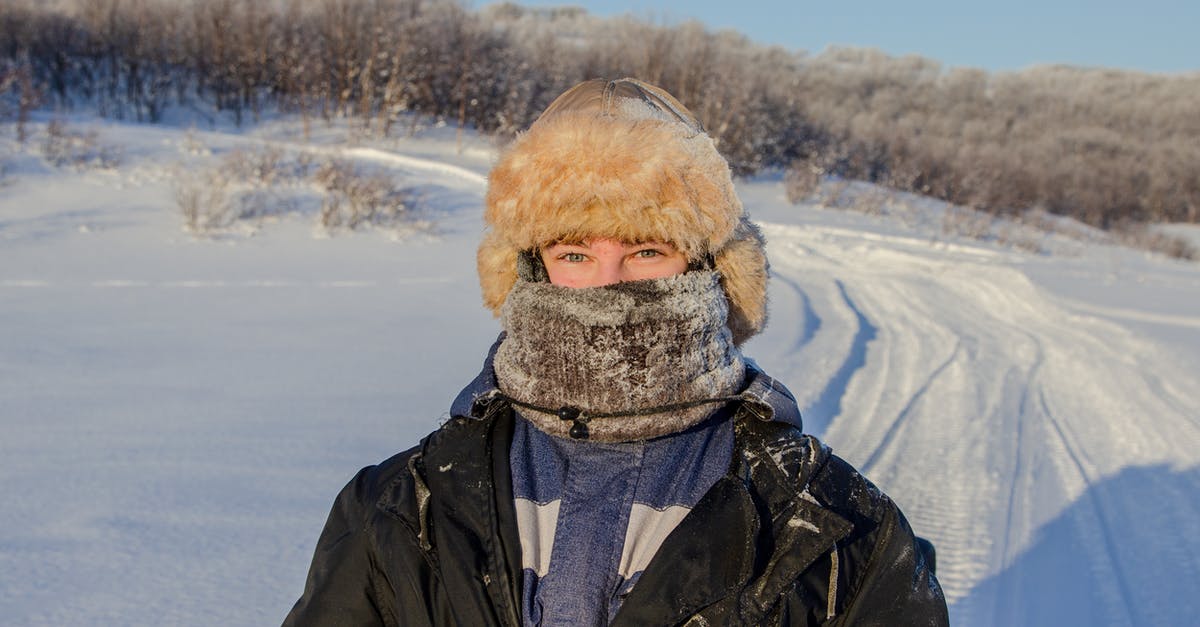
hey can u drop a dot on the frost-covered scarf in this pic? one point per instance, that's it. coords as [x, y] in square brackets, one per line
[628, 361]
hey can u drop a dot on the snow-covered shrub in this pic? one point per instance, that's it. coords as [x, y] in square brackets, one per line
[833, 193]
[1010, 234]
[246, 185]
[872, 201]
[192, 145]
[249, 186]
[1139, 235]
[205, 201]
[265, 166]
[802, 180]
[355, 197]
[966, 222]
[66, 147]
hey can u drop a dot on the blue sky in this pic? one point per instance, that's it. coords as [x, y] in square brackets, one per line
[1147, 35]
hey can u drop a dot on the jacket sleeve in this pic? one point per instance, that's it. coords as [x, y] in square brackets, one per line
[898, 586]
[340, 587]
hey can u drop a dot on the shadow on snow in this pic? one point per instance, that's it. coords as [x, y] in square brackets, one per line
[1126, 552]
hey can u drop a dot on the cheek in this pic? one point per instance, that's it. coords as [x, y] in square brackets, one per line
[564, 275]
[678, 265]
[666, 268]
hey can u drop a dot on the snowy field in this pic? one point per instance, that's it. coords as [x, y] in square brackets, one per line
[177, 412]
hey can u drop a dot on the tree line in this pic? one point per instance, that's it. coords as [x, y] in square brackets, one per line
[1103, 146]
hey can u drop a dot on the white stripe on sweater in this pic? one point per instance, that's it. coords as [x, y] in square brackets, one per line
[536, 523]
[648, 528]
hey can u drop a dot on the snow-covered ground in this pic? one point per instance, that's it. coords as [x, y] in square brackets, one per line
[177, 412]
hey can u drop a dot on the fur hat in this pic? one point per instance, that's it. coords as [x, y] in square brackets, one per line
[624, 160]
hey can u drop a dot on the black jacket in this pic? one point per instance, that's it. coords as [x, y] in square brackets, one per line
[792, 535]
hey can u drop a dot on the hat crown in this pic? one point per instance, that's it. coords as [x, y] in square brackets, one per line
[622, 98]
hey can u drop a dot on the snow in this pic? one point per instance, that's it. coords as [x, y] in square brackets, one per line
[177, 412]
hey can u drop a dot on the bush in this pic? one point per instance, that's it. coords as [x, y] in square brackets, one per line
[205, 201]
[82, 150]
[354, 198]
[802, 180]
[263, 167]
[1141, 236]
[245, 185]
[248, 186]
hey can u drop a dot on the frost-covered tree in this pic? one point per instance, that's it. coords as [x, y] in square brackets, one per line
[1102, 145]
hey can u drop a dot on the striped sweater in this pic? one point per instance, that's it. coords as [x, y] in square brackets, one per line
[591, 515]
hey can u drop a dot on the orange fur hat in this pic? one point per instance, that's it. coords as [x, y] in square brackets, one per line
[624, 160]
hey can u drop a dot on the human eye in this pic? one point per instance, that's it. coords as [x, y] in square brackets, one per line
[647, 253]
[572, 257]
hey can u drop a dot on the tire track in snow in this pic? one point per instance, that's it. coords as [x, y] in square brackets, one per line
[1104, 529]
[829, 403]
[1138, 316]
[1014, 532]
[1020, 450]
[901, 419]
[812, 322]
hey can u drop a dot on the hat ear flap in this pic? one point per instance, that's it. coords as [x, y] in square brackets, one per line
[742, 263]
[496, 262]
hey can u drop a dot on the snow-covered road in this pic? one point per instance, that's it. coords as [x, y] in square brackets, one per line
[176, 414]
[1050, 456]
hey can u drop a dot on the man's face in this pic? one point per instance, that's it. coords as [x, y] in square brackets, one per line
[603, 261]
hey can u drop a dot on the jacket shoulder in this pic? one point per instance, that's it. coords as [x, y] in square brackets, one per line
[888, 571]
[806, 467]
[876, 572]
[397, 485]
[840, 487]
[379, 476]
[387, 484]
[781, 457]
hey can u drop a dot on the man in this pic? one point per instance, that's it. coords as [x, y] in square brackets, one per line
[618, 461]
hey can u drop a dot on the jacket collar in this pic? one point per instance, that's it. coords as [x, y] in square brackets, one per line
[478, 399]
[768, 399]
